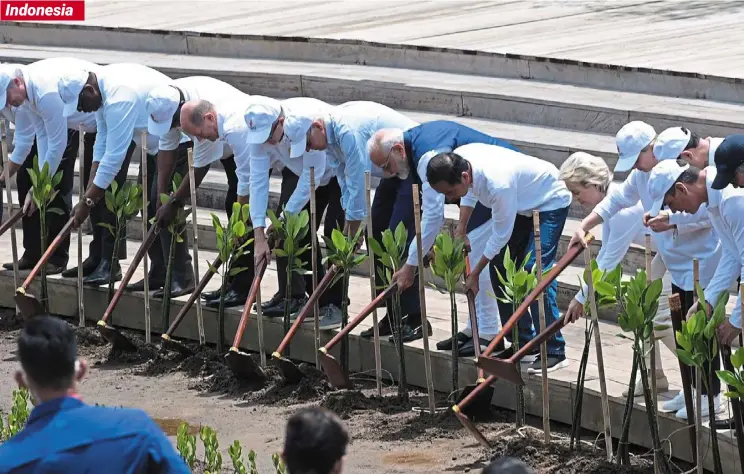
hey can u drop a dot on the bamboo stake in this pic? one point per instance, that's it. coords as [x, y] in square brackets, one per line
[9, 196]
[422, 298]
[373, 292]
[81, 195]
[195, 246]
[259, 328]
[544, 345]
[653, 340]
[145, 262]
[698, 378]
[314, 257]
[600, 359]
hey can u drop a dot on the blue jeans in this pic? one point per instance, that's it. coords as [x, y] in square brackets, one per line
[520, 243]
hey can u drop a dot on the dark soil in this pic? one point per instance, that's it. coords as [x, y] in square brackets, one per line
[10, 321]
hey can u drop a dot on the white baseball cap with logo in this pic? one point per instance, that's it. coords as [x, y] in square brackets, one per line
[161, 104]
[630, 141]
[70, 86]
[260, 117]
[671, 143]
[296, 128]
[661, 180]
[5, 78]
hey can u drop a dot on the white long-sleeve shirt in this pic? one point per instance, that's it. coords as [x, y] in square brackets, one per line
[122, 116]
[348, 129]
[510, 183]
[262, 155]
[201, 88]
[40, 116]
[726, 211]
[694, 237]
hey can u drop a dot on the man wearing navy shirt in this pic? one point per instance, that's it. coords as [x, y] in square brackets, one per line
[63, 434]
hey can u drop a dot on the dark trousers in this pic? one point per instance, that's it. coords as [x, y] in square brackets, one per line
[183, 271]
[393, 204]
[521, 242]
[328, 200]
[687, 300]
[63, 201]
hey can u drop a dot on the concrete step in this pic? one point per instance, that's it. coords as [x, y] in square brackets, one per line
[507, 99]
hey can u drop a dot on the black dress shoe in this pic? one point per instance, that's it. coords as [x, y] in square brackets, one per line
[140, 285]
[54, 269]
[103, 274]
[89, 266]
[212, 295]
[468, 349]
[724, 424]
[277, 311]
[275, 300]
[383, 325]
[178, 288]
[23, 264]
[446, 345]
[232, 299]
[410, 334]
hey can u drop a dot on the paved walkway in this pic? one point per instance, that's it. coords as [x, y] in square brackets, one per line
[681, 35]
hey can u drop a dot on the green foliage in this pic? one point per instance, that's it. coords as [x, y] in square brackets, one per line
[18, 415]
[252, 462]
[291, 229]
[518, 282]
[449, 260]
[697, 339]
[278, 464]
[124, 203]
[341, 251]
[734, 379]
[186, 445]
[236, 453]
[44, 186]
[212, 456]
[232, 239]
[390, 251]
[604, 284]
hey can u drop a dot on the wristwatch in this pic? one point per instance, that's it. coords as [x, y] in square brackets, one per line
[90, 202]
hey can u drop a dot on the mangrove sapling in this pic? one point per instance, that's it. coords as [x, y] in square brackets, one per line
[698, 348]
[341, 252]
[232, 241]
[449, 265]
[640, 301]
[735, 380]
[236, 456]
[253, 469]
[517, 284]
[186, 445]
[18, 415]
[390, 254]
[276, 459]
[43, 191]
[291, 230]
[212, 455]
[123, 202]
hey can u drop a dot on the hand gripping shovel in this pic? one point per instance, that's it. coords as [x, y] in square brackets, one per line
[330, 365]
[27, 303]
[109, 332]
[288, 368]
[561, 265]
[171, 344]
[240, 363]
[11, 221]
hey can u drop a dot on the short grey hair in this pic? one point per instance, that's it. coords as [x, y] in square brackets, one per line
[200, 110]
[384, 140]
[585, 169]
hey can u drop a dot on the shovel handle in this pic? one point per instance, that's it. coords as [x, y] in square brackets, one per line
[255, 286]
[192, 298]
[305, 312]
[360, 317]
[49, 251]
[474, 394]
[151, 235]
[473, 318]
[11, 220]
[564, 262]
[554, 327]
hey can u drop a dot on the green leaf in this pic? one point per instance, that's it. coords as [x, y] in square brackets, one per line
[727, 377]
[737, 358]
[686, 358]
[234, 271]
[731, 395]
[339, 240]
[57, 211]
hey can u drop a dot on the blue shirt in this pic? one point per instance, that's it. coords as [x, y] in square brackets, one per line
[65, 435]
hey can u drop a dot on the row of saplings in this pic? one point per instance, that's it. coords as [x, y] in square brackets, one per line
[637, 299]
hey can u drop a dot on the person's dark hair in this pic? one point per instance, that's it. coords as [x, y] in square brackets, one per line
[447, 167]
[47, 349]
[314, 442]
[197, 115]
[694, 139]
[507, 465]
[690, 175]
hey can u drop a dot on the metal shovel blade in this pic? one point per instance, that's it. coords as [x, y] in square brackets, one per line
[333, 371]
[465, 421]
[28, 304]
[242, 365]
[117, 339]
[289, 370]
[173, 345]
[503, 369]
[480, 406]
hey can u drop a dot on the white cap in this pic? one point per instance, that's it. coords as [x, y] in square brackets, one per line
[671, 143]
[70, 86]
[295, 128]
[630, 141]
[5, 78]
[161, 103]
[661, 180]
[260, 117]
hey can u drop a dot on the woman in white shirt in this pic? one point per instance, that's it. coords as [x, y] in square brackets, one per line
[590, 180]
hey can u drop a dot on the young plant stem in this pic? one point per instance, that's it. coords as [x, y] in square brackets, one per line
[44, 288]
[287, 297]
[519, 389]
[623, 452]
[398, 337]
[169, 280]
[455, 347]
[114, 262]
[344, 322]
[221, 312]
[708, 381]
[660, 458]
[580, 379]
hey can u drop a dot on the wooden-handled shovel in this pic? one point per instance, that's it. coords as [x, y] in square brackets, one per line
[110, 333]
[240, 363]
[9, 197]
[11, 221]
[330, 365]
[167, 341]
[27, 303]
[81, 193]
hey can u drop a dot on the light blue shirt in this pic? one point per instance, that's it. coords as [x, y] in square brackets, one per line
[348, 129]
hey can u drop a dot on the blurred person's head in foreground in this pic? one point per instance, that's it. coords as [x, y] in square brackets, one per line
[507, 465]
[315, 442]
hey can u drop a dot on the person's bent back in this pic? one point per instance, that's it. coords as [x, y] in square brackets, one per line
[315, 442]
[63, 434]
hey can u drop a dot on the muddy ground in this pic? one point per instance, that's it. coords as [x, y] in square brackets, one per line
[387, 435]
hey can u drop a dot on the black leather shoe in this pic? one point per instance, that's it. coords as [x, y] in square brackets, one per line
[410, 334]
[724, 424]
[102, 274]
[275, 300]
[54, 269]
[178, 288]
[212, 295]
[89, 266]
[446, 345]
[23, 264]
[383, 325]
[277, 311]
[468, 349]
[154, 284]
[232, 299]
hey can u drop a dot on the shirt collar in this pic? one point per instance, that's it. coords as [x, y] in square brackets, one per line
[476, 175]
[330, 133]
[220, 125]
[714, 195]
[53, 406]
